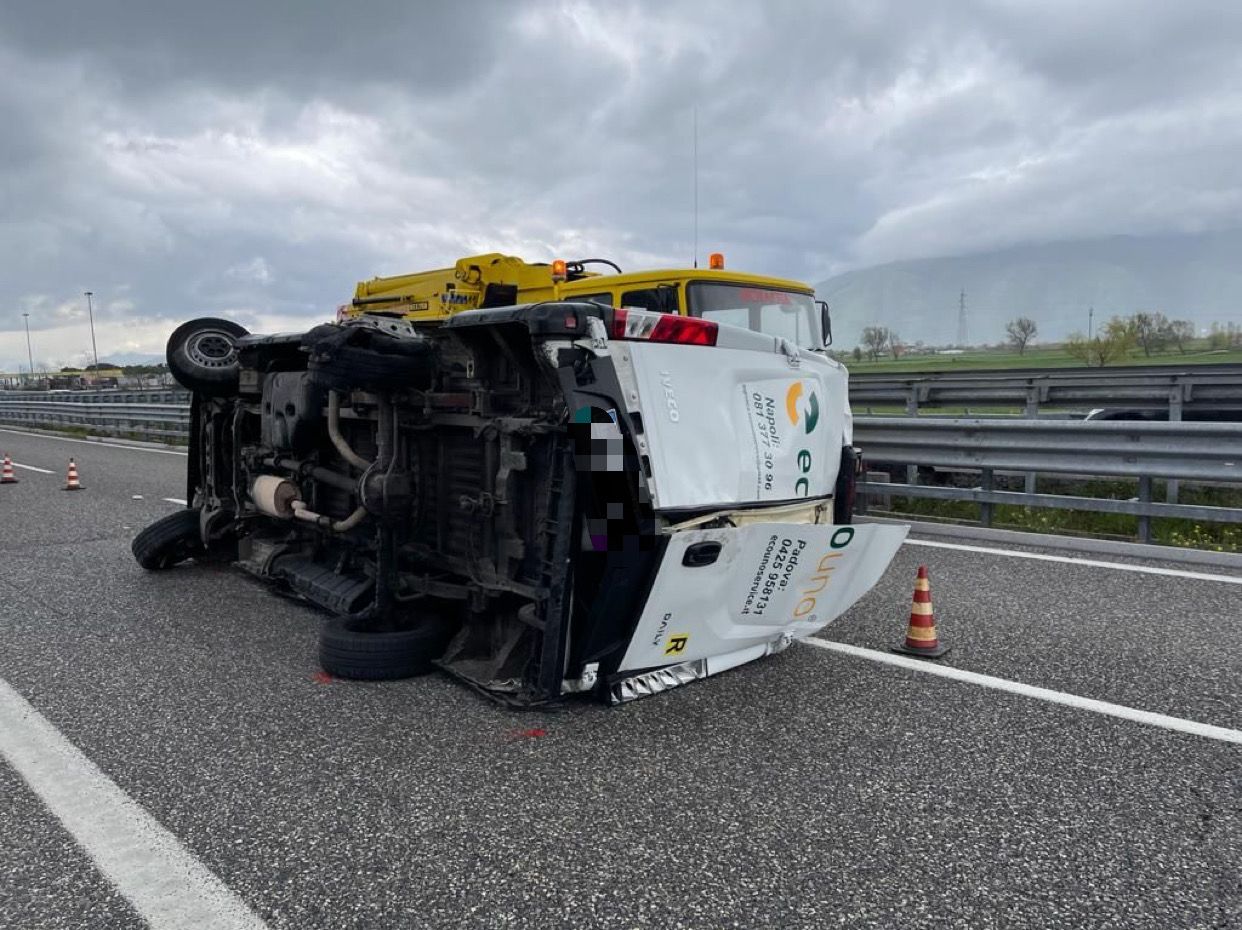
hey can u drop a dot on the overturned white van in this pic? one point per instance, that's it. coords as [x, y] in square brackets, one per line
[562, 498]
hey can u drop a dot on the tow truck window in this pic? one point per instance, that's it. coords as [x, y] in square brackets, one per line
[604, 300]
[790, 314]
[661, 299]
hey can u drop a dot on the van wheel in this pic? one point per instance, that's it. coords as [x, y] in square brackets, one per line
[168, 540]
[348, 652]
[202, 356]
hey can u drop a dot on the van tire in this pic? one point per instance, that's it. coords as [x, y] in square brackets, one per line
[348, 652]
[202, 356]
[168, 540]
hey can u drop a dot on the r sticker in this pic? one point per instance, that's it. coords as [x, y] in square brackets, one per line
[677, 644]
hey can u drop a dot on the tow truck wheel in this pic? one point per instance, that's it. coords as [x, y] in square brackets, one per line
[202, 355]
[348, 652]
[168, 540]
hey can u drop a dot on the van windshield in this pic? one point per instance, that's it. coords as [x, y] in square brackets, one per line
[790, 314]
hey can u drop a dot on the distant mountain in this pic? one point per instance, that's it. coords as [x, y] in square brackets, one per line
[133, 358]
[1192, 277]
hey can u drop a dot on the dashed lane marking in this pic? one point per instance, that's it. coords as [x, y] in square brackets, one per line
[162, 879]
[174, 500]
[1093, 563]
[1043, 694]
[42, 471]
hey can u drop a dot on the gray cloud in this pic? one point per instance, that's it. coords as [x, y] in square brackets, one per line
[257, 159]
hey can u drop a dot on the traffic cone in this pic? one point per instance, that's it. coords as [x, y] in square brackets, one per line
[921, 637]
[6, 475]
[72, 483]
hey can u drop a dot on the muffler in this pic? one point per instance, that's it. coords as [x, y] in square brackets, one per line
[274, 496]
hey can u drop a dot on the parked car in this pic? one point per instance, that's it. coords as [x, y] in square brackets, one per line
[1161, 414]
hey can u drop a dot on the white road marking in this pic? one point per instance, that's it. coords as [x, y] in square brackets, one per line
[1044, 694]
[164, 882]
[174, 500]
[42, 471]
[93, 442]
[1094, 563]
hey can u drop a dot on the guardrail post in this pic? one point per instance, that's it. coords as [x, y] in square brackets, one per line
[1144, 521]
[883, 501]
[1031, 412]
[985, 507]
[1173, 486]
[912, 410]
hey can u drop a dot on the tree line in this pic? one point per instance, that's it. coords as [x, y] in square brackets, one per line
[1116, 338]
[1153, 332]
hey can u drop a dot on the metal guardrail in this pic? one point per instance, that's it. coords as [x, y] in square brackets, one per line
[1194, 451]
[1175, 389]
[122, 396]
[1202, 452]
[142, 420]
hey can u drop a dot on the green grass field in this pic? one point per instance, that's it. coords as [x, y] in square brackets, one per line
[1037, 357]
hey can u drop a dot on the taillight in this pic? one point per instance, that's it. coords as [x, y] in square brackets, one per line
[663, 327]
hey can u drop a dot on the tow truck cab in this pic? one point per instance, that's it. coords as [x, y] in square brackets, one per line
[776, 306]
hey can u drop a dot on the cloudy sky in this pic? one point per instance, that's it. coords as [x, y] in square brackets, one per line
[255, 159]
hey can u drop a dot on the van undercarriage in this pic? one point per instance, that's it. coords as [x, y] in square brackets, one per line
[486, 497]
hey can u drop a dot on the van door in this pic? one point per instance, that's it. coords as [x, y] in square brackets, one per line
[733, 594]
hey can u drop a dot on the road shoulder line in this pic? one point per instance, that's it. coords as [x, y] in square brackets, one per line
[1086, 545]
[1147, 717]
[168, 886]
[1073, 560]
[91, 442]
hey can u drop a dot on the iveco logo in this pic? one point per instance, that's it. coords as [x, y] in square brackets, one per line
[670, 399]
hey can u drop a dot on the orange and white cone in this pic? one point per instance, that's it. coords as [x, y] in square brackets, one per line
[921, 639]
[72, 483]
[6, 475]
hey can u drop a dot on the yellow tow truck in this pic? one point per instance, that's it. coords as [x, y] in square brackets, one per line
[775, 306]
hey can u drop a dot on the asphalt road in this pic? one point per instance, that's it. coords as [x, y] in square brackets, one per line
[809, 789]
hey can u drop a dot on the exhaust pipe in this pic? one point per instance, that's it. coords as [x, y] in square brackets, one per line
[275, 496]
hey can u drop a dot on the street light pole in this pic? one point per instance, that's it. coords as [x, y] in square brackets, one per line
[1090, 323]
[29, 354]
[91, 312]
